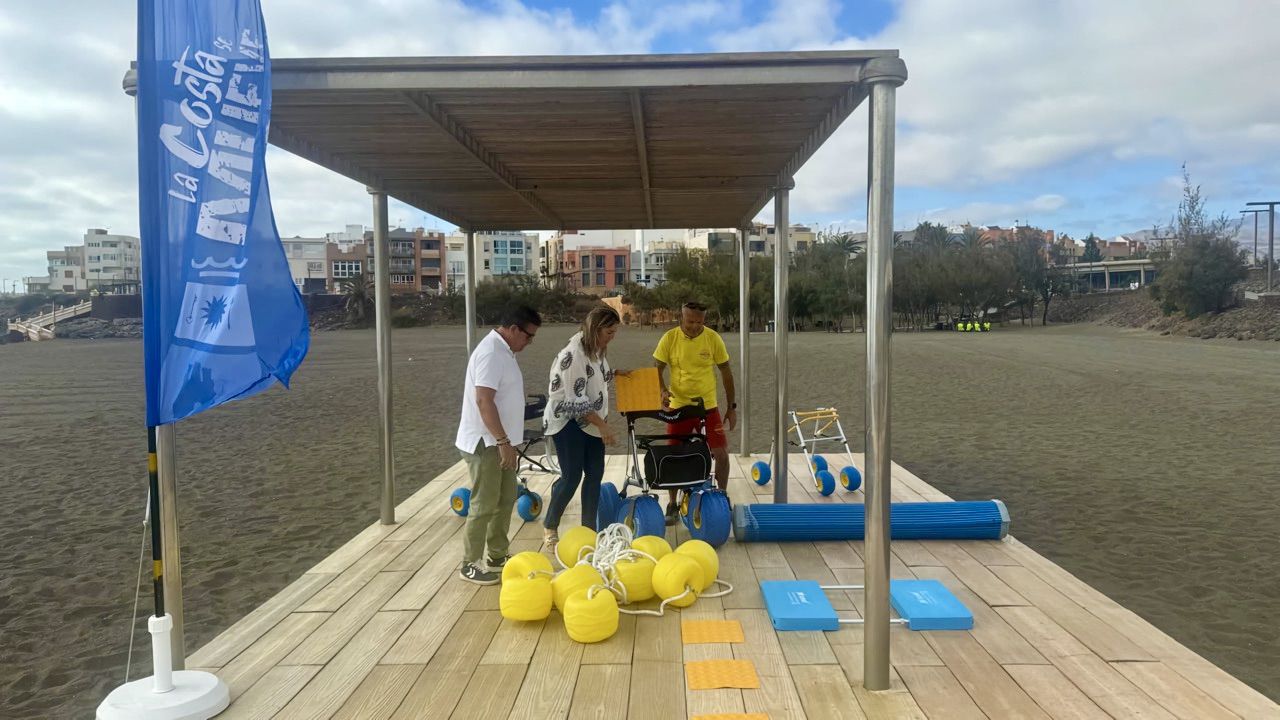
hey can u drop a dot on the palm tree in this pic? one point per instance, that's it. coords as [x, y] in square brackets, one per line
[359, 296]
[972, 239]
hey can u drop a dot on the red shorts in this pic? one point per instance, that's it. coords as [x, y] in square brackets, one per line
[716, 438]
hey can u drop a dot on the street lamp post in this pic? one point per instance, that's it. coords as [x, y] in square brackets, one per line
[1255, 214]
[1271, 236]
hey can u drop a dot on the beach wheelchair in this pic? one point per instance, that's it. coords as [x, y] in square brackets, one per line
[670, 462]
[528, 502]
[819, 424]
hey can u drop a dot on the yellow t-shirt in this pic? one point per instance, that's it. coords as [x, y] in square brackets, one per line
[693, 364]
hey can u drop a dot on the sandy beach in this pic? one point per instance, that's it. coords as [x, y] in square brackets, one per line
[1145, 465]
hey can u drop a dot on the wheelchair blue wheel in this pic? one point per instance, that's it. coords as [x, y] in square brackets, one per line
[529, 506]
[850, 478]
[825, 481]
[607, 510]
[460, 501]
[522, 489]
[819, 463]
[643, 516]
[710, 518]
[760, 472]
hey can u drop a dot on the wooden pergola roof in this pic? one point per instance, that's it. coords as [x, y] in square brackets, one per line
[585, 142]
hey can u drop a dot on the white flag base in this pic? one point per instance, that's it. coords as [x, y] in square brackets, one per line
[166, 695]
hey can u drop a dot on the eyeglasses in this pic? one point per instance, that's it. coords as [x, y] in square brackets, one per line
[526, 333]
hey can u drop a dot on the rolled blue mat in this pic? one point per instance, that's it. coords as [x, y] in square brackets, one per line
[969, 520]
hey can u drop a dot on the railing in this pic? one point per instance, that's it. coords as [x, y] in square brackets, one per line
[39, 326]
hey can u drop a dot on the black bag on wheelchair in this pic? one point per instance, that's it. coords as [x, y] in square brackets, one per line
[684, 463]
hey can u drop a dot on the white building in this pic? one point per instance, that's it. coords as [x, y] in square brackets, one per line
[106, 262]
[307, 262]
[497, 252]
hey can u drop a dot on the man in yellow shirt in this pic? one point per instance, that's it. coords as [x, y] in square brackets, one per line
[693, 351]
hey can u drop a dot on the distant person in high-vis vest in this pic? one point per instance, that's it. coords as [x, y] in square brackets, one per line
[492, 414]
[693, 352]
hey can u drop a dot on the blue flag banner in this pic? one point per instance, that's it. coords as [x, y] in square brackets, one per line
[222, 318]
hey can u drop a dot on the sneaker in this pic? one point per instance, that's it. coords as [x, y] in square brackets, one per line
[498, 564]
[551, 537]
[473, 574]
[673, 513]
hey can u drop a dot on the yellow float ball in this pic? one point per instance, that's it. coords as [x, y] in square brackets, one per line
[525, 599]
[705, 555]
[523, 564]
[674, 574]
[636, 575]
[591, 615]
[578, 577]
[651, 545]
[572, 542]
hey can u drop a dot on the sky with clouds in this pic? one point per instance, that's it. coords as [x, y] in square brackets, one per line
[1074, 115]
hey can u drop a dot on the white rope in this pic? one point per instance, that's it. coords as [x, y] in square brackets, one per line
[613, 545]
[137, 589]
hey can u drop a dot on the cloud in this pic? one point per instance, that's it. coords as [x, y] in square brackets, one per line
[999, 89]
[1002, 93]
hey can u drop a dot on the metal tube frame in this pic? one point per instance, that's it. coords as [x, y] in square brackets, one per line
[469, 291]
[170, 543]
[743, 385]
[1270, 205]
[876, 671]
[781, 264]
[382, 313]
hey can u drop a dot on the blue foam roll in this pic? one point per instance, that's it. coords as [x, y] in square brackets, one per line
[970, 520]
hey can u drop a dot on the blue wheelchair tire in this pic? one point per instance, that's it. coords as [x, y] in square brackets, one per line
[819, 463]
[826, 482]
[610, 503]
[460, 501]
[709, 517]
[850, 478]
[643, 516]
[529, 506]
[760, 472]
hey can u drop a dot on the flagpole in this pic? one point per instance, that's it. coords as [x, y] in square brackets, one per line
[171, 545]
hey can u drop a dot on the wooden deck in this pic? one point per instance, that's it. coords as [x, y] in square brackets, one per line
[383, 628]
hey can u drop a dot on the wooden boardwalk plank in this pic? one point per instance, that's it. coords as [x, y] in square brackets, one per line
[939, 694]
[432, 625]
[825, 694]
[974, 574]
[439, 687]
[245, 631]
[1088, 629]
[380, 694]
[1174, 692]
[601, 693]
[618, 649]
[491, 693]
[982, 677]
[1108, 688]
[425, 545]
[1057, 695]
[330, 688]
[1004, 643]
[323, 644]
[442, 566]
[514, 642]
[549, 685]
[272, 692]
[657, 689]
[350, 581]
[252, 664]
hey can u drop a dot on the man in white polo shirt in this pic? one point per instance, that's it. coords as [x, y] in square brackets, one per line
[492, 416]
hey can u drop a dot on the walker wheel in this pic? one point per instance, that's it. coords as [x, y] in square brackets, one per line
[460, 501]
[850, 478]
[825, 481]
[760, 472]
[529, 506]
[819, 463]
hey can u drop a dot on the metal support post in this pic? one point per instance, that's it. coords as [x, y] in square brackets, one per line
[382, 312]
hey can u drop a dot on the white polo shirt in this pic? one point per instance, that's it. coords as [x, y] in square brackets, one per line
[492, 365]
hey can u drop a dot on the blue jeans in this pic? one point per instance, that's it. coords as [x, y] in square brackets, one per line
[579, 454]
